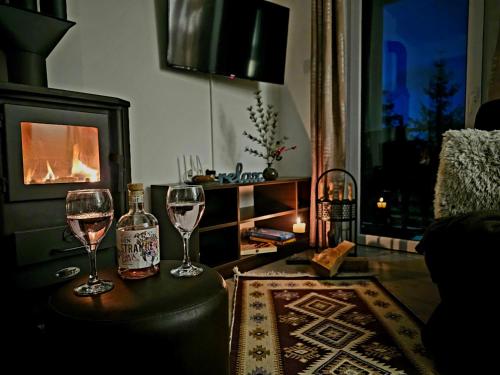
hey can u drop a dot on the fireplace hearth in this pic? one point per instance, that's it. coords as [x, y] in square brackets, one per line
[53, 141]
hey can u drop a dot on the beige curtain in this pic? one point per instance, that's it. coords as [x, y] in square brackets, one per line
[327, 96]
[494, 84]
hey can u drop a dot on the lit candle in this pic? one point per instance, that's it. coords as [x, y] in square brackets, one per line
[299, 227]
[349, 191]
[381, 203]
[330, 191]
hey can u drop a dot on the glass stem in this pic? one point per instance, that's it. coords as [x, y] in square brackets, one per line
[186, 262]
[93, 279]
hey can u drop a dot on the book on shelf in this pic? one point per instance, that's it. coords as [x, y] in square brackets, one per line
[274, 242]
[271, 234]
[250, 248]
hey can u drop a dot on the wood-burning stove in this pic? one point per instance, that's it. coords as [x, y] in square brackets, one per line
[53, 141]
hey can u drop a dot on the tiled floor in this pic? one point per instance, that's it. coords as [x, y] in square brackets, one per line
[403, 274]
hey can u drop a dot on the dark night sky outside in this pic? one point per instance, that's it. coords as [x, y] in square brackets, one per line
[428, 30]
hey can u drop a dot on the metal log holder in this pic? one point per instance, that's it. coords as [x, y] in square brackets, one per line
[336, 204]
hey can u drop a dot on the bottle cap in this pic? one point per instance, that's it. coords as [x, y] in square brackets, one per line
[135, 186]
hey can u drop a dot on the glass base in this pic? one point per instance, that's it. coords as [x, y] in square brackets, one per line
[186, 271]
[101, 286]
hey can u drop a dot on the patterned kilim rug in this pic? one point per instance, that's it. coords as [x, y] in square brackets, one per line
[310, 326]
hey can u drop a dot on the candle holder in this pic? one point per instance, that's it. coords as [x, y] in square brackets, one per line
[336, 207]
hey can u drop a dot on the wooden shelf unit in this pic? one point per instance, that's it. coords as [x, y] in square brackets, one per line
[228, 208]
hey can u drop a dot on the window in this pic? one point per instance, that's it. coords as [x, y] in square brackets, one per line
[414, 68]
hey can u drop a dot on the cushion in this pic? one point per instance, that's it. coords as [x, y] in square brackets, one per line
[469, 172]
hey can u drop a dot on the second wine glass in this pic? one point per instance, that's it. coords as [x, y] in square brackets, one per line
[185, 206]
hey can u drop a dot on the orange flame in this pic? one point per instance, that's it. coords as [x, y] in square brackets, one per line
[80, 169]
[28, 177]
[50, 176]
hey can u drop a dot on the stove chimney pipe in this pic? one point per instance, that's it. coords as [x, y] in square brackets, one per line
[28, 37]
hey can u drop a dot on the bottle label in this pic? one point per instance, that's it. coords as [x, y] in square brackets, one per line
[138, 248]
[135, 198]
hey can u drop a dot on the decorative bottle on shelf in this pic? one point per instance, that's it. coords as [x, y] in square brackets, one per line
[137, 239]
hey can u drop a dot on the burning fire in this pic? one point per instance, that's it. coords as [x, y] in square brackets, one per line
[59, 154]
[79, 169]
[50, 176]
[28, 176]
[80, 172]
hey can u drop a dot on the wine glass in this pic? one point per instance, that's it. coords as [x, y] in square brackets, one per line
[89, 214]
[185, 206]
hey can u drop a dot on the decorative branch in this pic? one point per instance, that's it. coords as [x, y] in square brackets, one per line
[265, 122]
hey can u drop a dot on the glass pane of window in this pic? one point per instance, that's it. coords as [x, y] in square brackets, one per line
[414, 72]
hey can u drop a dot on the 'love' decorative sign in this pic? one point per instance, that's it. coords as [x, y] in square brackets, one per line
[240, 178]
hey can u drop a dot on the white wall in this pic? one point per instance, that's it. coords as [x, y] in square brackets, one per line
[113, 50]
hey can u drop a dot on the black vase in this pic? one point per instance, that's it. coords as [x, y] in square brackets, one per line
[270, 173]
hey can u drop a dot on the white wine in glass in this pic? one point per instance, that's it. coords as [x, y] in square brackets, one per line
[185, 206]
[89, 214]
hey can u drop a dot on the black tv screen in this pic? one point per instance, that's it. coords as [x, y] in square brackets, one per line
[243, 39]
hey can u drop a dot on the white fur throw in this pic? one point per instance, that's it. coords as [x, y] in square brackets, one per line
[468, 177]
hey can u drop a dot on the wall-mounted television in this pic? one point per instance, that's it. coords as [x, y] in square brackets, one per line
[243, 39]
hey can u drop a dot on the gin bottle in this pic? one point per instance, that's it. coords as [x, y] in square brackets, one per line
[137, 239]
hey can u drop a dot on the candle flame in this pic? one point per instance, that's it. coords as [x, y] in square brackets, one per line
[298, 220]
[381, 203]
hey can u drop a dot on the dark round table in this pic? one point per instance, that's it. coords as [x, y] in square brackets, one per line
[184, 320]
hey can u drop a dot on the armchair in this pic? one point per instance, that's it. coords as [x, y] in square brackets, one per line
[462, 247]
